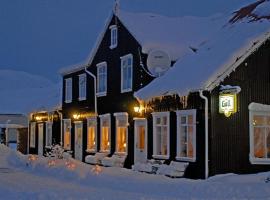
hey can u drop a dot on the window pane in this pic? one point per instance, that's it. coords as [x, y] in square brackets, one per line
[158, 120]
[105, 143]
[259, 120]
[268, 142]
[190, 142]
[259, 141]
[164, 141]
[141, 139]
[121, 139]
[67, 135]
[158, 141]
[190, 119]
[91, 143]
[49, 134]
[183, 120]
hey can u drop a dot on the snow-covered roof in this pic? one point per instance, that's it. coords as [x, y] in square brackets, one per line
[174, 35]
[215, 59]
[22, 93]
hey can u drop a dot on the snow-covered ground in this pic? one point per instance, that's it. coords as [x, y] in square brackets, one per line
[24, 179]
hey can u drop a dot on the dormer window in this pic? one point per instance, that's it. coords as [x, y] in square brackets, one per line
[114, 36]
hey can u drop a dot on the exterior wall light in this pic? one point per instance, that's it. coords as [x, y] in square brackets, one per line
[76, 116]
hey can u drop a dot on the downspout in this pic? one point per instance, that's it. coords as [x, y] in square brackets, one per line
[95, 87]
[206, 132]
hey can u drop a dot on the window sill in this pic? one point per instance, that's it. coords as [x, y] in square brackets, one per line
[121, 153]
[185, 159]
[260, 161]
[126, 90]
[103, 151]
[82, 99]
[162, 157]
[101, 94]
[90, 151]
[113, 46]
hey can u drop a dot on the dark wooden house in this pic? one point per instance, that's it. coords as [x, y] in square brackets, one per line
[216, 101]
[100, 112]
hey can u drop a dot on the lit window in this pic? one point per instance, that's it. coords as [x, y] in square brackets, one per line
[121, 132]
[105, 131]
[67, 134]
[102, 79]
[68, 90]
[91, 134]
[33, 134]
[186, 135]
[259, 134]
[114, 36]
[161, 137]
[49, 133]
[126, 73]
[82, 87]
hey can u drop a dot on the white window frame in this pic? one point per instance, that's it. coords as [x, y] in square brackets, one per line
[125, 58]
[99, 66]
[49, 137]
[82, 87]
[103, 118]
[260, 112]
[155, 116]
[33, 134]
[185, 113]
[114, 36]
[121, 116]
[64, 131]
[68, 90]
[92, 120]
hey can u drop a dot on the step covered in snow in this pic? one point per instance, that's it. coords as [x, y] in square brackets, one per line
[95, 159]
[114, 161]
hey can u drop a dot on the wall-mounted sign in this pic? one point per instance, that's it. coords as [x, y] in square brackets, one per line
[227, 104]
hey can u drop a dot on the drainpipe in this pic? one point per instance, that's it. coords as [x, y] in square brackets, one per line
[206, 132]
[95, 87]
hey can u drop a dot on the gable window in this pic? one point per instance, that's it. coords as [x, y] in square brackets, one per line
[105, 132]
[82, 87]
[67, 134]
[126, 73]
[259, 130]
[114, 36]
[161, 135]
[121, 132]
[91, 134]
[33, 134]
[49, 134]
[102, 79]
[68, 90]
[186, 135]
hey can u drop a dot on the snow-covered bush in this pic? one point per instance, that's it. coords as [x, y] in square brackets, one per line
[55, 152]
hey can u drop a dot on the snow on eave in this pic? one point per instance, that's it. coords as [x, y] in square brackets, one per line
[90, 57]
[229, 68]
[259, 107]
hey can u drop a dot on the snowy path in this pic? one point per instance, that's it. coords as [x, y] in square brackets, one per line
[19, 181]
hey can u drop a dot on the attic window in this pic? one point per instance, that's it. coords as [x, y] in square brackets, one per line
[114, 36]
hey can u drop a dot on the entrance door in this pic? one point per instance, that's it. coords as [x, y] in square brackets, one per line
[78, 141]
[140, 147]
[40, 139]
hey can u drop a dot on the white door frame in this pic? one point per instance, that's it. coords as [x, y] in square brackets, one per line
[40, 138]
[140, 122]
[78, 153]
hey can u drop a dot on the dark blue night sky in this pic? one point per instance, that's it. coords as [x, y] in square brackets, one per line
[42, 36]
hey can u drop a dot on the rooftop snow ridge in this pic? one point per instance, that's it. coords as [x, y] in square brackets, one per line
[175, 35]
[254, 11]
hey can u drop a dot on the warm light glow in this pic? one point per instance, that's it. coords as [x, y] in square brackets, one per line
[136, 109]
[96, 170]
[70, 165]
[227, 104]
[76, 116]
[32, 158]
[51, 163]
[139, 109]
[108, 143]
[125, 145]
[38, 118]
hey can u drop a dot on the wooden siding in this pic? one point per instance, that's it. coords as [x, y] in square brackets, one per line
[229, 138]
[114, 101]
